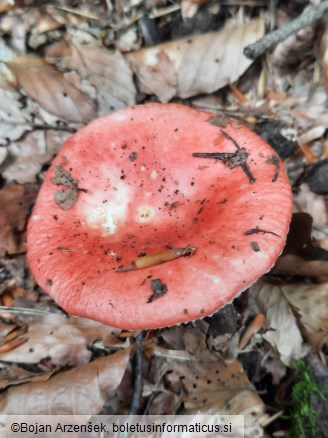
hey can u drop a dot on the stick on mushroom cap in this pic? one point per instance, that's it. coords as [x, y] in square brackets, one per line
[157, 215]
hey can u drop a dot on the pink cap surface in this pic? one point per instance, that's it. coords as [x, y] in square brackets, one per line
[144, 192]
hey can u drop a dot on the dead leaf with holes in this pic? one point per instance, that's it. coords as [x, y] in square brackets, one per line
[15, 203]
[105, 74]
[204, 382]
[65, 341]
[48, 87]
[91, 384]
[197, 64]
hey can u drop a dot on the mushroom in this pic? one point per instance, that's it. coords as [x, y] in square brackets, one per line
[157, 215]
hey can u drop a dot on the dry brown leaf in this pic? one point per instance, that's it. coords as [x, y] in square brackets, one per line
[282, 330]
[206, 382]
[14, 375]
[15, 203]
[15, 118]
[106, 71]
[311, 301]
[81, 390]
[64, 341]
[27, 156]
[161, 401]
[202, 63]
[295, 265]
[47, 86]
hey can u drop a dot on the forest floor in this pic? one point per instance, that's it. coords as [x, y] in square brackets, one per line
[264, 355]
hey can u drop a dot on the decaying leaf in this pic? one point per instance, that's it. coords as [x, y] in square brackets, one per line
[15, 119]
[281, 327]
[64, 341]
[311, 303]
[15, 202]
[27, 156]
[81, 390]
[107, 71]
[47, 86]
[195, 65]
[12, 375]
[67, 197]
[206, 382]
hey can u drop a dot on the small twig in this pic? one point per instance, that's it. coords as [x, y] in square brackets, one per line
[54, 128]
[258, 230]
[308, 16]
[137, 389]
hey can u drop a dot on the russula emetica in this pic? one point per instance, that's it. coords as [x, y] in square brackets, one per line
[131, 188]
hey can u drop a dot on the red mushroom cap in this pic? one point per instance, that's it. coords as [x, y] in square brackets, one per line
[128, 185]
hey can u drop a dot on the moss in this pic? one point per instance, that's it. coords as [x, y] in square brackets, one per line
[301, 413]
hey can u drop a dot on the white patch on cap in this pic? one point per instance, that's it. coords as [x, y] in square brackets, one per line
[109, 223]
[35, 217]
[119, 117]
[216, 280]
[106, 216]
[142, 168]
[145, 213]
[153, 174]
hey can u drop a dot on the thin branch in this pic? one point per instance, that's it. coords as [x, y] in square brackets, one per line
[308, 16]
[137, 389]
[54, 128]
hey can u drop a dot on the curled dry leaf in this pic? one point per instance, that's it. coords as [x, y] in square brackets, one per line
[311, 302]
[15, 203]
[88, 384]
[65, 341]
[194, 65]
[107, 71]
[310, 307]
[282, 330]
[11, 375]
[51, 90]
